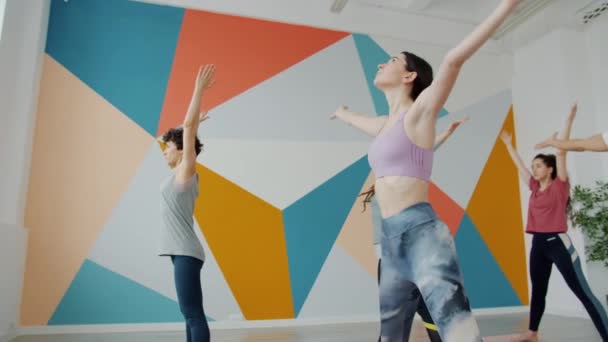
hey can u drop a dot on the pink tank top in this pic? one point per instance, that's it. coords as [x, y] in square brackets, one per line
[392, 153]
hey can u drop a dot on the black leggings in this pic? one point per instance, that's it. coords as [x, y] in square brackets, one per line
[190, 297]
[423, 311]
[556, 248]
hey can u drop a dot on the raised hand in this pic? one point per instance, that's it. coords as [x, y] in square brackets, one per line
[547, 142]
[454, 124]
[204, 77]
[506, 138]
[202, 116]
[573, 111]
[340, 110]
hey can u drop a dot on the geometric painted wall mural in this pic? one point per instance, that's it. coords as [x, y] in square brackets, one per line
[278, 212]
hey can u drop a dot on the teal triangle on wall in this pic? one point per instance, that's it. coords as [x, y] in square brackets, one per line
[313, 223]
[100, 296]
[121, 49]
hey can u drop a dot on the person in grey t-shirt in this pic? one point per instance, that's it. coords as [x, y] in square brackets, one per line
[178, 195]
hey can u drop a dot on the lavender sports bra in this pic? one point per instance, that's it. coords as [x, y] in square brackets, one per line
[392, 153]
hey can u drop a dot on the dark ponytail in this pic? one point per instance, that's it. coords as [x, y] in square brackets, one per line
[368, 196]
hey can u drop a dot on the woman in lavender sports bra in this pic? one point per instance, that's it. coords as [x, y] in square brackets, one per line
[368, 198]
[418, 253]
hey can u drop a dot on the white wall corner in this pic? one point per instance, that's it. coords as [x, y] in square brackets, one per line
[13, 247]
[34, 56]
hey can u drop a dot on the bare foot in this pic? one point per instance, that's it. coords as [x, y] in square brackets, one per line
[528, 336]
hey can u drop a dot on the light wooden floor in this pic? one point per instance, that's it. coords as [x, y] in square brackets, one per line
[553, 329]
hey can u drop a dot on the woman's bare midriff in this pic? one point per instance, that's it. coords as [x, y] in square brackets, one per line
[395, 193]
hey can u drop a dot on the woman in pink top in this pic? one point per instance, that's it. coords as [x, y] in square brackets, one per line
[547, 222]
[418, 253]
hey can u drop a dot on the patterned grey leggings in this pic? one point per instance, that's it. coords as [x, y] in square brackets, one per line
[419, 259]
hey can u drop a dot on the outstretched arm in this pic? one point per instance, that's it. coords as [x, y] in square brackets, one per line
[434, 97]
[594, 143]
[187, 166]
[441, 138]
[369, 125]
[524, 173]
[562, 172]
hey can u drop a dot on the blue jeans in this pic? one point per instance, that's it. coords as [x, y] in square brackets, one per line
[187, 272]
[419, 259]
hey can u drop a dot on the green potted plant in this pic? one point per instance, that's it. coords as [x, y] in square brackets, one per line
[589, 212]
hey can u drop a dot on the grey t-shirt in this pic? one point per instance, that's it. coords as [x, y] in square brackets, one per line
[177, 236]
[376, 221]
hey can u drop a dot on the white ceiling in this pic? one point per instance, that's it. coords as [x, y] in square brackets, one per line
[468, 11]
[434, 22]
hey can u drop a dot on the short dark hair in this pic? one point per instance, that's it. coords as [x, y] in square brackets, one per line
[176, 135]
